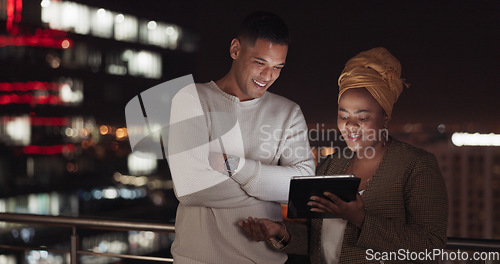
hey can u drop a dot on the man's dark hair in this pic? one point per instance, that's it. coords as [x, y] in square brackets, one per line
[264, 25]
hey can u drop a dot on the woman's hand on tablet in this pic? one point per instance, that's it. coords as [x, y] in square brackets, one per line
[353, 211]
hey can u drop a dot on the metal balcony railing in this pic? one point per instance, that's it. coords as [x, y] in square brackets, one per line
[471, 244]
[76, 223]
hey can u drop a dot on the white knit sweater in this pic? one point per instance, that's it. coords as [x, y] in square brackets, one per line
[269, 134]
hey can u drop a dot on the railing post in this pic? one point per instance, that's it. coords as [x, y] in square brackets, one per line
[74, 246]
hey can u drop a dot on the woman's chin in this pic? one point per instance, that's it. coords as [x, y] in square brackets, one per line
[354, 147]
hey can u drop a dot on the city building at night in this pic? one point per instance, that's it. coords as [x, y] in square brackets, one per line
[69, 69]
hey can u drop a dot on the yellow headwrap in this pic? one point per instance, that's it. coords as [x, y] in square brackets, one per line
[379, 72]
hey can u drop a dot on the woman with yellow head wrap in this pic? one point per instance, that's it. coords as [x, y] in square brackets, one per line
[402, 201]
[376, 70]
[372, 79]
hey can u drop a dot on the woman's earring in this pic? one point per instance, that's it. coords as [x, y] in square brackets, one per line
[385, 135]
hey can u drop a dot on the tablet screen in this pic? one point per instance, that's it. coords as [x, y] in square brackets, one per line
[303, 187]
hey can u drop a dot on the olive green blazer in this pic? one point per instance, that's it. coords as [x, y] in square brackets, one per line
[406, 208]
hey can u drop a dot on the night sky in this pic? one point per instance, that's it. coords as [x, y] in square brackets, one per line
[449, 51]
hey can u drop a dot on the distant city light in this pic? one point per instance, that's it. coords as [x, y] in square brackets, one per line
[30, 99]
[45, 3]
[441, 128]
[49, 150]
[476, 139]
[96, 194]
[110, 193]
[116, 69]
[28, 86]
[127, 54]
[104, 130]
[126, 28]
[70, 132]
[100, 22]
[49, 121]
[138, 181]
[84, 133]
[119, 18]
[170, 30]
[39, 39]
[101, 12]
[101, 25]
[152, 24]
[34, 93]
[65, 44]
[146, 63]
[121, 133]
[8, 259]
[72, 94]
[18, 129]
[71, 167]
[138, 166]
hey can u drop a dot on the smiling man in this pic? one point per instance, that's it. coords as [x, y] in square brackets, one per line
[257, 63]
[254, 142]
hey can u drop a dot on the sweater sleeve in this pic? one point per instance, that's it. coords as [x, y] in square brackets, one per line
[189, 147]
[426, 214]
[271, 183]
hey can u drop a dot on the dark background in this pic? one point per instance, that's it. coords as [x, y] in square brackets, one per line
[449, 51]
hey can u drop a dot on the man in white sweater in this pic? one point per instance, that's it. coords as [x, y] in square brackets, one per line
[238, 151]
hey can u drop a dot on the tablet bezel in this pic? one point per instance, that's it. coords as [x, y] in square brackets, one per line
[303, 187]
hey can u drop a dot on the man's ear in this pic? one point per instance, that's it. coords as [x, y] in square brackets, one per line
[235, 48]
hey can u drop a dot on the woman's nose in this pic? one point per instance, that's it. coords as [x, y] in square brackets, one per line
[349, 124]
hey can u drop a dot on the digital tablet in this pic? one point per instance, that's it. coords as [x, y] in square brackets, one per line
[303, 187]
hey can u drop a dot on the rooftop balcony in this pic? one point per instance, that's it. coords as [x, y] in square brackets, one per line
[78, 234]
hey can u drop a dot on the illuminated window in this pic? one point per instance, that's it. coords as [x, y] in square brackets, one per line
[115, 63]
[159, 34]
[173, 33]
[137, 166]
[476, 139]
[126, 27]
[146, 64]
[71, 91]
[16, 130]
[136, 63]
[66, 16]
[101, 23]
